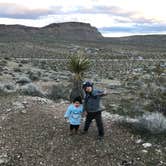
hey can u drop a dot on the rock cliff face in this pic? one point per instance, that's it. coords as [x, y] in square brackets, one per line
[74, 31]
[66, 31]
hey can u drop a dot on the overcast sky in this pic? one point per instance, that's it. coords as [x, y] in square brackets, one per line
[111, 17]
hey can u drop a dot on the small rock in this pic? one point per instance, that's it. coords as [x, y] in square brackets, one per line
[3, 158]
[24, 102]
[147, 145]
[42, 100]
[8, 110]
[3, 117]
[2, 161]
[23, 111]
[127, 163]
[158, 150]
[138, 141]
[18, 105]
[144, 151]
[41, 163]
[161, 162]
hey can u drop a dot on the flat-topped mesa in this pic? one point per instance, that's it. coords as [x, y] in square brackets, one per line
[74, 31]
[64, 31]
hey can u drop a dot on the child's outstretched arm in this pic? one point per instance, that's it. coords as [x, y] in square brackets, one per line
[102, 93]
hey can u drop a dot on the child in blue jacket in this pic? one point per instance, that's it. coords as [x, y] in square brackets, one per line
[74, 114]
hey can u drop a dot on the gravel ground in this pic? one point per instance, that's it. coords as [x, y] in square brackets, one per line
[33, 132]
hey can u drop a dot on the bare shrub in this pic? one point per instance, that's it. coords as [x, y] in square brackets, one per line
[154, 122]
[31, 90]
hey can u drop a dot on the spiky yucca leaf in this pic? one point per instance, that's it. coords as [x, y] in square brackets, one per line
[78, 64]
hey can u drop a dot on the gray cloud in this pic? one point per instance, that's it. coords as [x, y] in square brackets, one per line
[121, 14]
[113, 10]
[12, 10]
[136, 23]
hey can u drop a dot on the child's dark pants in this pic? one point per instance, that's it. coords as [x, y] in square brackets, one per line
[99, 123]
[74, 127]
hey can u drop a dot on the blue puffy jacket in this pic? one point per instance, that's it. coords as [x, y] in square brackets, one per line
[74, 114]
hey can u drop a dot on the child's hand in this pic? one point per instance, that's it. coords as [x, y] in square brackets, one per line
[85, 113]
[105, 91]
[66, 119]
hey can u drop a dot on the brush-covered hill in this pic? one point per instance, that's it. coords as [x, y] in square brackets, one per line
[66, 31]
[59, 40]
[140, 40]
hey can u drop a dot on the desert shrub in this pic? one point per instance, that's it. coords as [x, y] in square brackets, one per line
[20, 65]
[157, 99]
[154, 92]
[158, 104]
[3, 62]
[17, 69]
[31, 90]
[23, 80]
[53, 66]
[34, 75]
[7, 58]
[59, 91]
[7, 88]
[154, 122]
[24, 61]
[43, 65]
[1, 89]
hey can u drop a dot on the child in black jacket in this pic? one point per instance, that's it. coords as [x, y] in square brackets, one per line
[92, 108]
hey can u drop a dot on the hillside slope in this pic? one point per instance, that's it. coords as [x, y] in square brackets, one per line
[66, 31]
[65, 39]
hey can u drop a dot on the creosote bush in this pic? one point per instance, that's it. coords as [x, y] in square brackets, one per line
[154, 122]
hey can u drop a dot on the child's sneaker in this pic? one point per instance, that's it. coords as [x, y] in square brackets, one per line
[100, 138]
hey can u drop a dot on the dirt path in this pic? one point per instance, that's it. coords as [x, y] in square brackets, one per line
[33, 133]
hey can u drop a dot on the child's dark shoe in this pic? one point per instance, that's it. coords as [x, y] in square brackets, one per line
[100, 138]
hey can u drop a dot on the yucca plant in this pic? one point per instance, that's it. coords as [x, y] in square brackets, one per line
[78, 64]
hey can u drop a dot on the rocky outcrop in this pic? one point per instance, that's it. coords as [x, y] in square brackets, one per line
[66, 31]
[73, 31]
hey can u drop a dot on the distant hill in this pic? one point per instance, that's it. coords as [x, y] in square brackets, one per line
[66, 31]
[139, 40]
[74, 31]
[62, 39]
